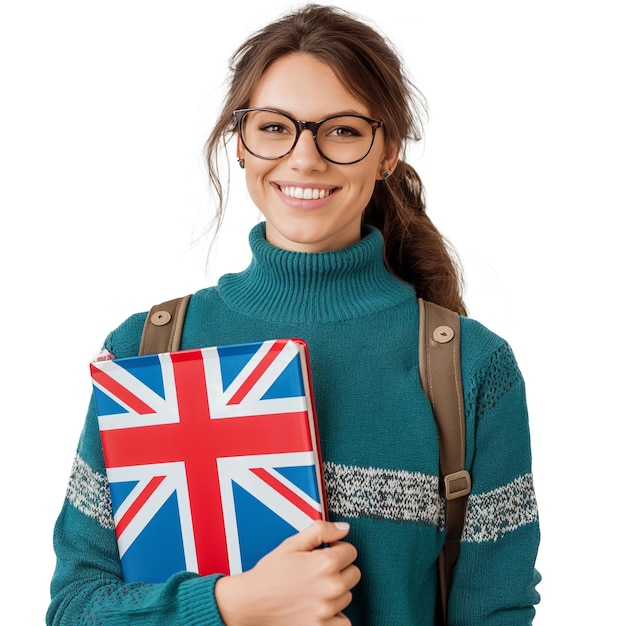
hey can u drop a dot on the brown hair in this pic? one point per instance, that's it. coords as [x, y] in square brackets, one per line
[372, 71]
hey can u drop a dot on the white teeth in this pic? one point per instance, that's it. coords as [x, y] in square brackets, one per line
[307, 193]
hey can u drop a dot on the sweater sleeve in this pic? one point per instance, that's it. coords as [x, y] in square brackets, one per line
[495, 577]
[87, 587]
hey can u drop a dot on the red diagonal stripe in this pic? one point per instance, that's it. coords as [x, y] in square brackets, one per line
[284, 491]
[258, 371]
[148, 490]
[120, 392]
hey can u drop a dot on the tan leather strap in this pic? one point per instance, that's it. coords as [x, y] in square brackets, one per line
[163, 329]
[440, 373]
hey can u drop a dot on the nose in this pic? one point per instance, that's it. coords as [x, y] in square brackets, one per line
[305, 156]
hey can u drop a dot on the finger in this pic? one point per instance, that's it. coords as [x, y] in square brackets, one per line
[336, 557]
[338, 620]
[316, 535]
[351, 576]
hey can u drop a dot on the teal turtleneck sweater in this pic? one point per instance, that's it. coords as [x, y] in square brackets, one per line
[379, 444]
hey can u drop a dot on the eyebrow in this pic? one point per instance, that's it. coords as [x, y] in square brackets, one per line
[295, 117]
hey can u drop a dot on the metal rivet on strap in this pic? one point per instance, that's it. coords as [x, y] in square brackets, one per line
[443, 334]
[160, 318]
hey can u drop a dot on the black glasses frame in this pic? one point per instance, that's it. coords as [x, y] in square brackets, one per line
[301, 125]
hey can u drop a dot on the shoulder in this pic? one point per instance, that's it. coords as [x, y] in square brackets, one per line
[485, 353]
[477, 339]
[124, 340]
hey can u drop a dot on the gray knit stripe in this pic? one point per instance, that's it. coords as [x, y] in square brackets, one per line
[365, 492]
[381, 493]
[88, 491]
[399, 495]
[493, 514]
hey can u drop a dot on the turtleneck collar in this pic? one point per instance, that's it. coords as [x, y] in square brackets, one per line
[296, 287]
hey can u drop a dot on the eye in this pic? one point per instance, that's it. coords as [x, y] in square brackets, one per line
[274, 128]
[346, 132]
[346, 128]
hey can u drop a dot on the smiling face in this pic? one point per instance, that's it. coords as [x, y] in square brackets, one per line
[309, 203]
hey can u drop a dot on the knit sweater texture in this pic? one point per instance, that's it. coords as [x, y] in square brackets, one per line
[379, 444]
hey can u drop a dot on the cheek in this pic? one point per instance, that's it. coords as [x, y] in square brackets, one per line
[366, 178]
[252, 183]
[256, 181]
[371, 167]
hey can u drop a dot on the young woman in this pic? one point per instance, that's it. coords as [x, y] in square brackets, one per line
[345, 247]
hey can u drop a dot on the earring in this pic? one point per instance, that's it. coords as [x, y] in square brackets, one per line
[386, 174]
[242, 163]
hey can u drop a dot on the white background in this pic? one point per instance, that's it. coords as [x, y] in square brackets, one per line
[104, 110]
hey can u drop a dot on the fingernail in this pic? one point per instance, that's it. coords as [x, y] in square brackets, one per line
[342, 525]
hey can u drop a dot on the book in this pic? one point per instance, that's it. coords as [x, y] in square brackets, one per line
[212, 455]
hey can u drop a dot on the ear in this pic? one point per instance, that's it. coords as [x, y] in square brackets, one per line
[388, 162]
[241, 151]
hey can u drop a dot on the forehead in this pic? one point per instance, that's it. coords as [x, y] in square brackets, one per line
[305, 87]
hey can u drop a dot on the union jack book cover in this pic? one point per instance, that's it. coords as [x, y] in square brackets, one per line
[212, 455]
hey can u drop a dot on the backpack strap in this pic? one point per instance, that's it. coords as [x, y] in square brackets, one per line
[440, 373]
[163, 329]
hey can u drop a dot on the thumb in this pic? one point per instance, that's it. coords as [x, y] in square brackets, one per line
[316, 535]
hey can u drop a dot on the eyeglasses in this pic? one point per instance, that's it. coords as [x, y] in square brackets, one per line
[342, 138]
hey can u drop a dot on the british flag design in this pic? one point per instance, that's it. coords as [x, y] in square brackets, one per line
[212, 455]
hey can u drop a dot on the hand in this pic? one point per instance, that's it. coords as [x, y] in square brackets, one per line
[295, 583]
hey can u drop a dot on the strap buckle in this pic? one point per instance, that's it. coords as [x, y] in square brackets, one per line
[457, 485]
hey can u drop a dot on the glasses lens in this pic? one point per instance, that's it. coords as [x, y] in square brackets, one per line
[345, 139]
[267, 134]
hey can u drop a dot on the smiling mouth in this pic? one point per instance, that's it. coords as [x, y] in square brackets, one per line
[306, 193]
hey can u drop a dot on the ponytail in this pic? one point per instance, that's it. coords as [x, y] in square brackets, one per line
[415, 250]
